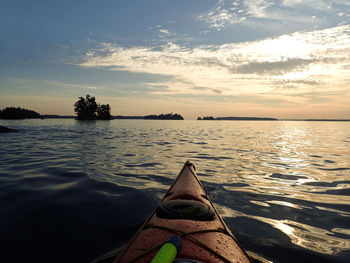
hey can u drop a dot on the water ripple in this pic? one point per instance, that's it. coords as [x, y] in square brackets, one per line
[282, 187]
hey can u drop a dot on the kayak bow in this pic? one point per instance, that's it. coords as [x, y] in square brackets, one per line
[185, 211]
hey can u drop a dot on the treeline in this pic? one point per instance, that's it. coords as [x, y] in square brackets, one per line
[18, 113]
[169, 116]
[206, 118]
[85, 109]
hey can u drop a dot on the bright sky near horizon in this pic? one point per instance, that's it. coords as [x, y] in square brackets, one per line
[263, 58]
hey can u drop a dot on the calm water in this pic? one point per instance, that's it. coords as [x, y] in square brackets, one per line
[71, 191]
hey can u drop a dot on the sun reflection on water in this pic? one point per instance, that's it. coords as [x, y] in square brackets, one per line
[302, 235]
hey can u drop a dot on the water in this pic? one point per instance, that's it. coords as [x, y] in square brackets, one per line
[71, 191]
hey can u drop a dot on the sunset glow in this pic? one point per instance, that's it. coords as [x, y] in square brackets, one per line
[260, 58]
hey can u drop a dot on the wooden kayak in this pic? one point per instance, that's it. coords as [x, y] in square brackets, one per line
[185, 211]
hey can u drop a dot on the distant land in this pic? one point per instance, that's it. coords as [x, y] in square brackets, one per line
[20, 113]
[314, 119]
[261, 119]
[169, 116]
[237, 118]
[121, 117]
[17, 113]
[53, 116]
[13, 113]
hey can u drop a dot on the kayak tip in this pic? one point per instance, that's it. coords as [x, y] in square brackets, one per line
[189, 163]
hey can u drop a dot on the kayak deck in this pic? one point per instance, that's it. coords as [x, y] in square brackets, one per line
[204, 235]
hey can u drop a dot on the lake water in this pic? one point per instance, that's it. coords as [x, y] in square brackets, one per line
[71, 191]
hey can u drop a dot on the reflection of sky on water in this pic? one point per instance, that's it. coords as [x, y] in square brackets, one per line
[292, 177]
[284, 203]
[297, 196]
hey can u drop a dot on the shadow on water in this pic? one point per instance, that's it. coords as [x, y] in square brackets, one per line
[67, 217]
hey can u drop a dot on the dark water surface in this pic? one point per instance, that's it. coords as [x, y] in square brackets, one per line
[71, 191]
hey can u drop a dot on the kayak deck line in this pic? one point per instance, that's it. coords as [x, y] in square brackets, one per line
[183, 234]
[190, 236]
[204, 239]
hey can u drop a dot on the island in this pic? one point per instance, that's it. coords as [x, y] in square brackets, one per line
[87, 109]
[17, 113]
[168, 116]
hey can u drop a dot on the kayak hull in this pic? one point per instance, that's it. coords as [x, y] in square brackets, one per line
[204, 240]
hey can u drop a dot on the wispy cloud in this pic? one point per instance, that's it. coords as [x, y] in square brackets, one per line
[35, 84]
[315, 4]
[301, 61]
[258, 8]
[249, 12]
[275, 67]
[165, 32]
[223, 15]
[70, 85]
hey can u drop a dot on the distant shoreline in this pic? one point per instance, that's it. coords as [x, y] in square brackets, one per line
[210, 118]
[169, 116]
[120, 117]
[314, 120]
[264, 119]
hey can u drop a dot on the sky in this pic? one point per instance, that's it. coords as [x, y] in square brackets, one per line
[262, 58]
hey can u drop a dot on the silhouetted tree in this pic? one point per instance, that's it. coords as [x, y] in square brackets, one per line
[208, 118]
[87, 109]
[18, 113]
[103, 112]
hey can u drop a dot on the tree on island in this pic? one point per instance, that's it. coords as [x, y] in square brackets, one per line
[168, 116]
[206, 118]
[88, 109]
[103, 112]
[18, 113]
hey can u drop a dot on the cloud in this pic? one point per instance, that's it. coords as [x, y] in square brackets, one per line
[273, 14]
[274, 68]
[70, 85]
[165, 33]
[312, 4]
[223, 15]
[258, 8]
[287, 83]
[56, 87]
[302, 60]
